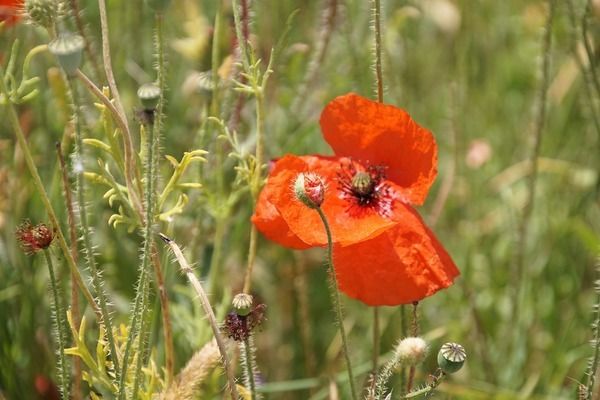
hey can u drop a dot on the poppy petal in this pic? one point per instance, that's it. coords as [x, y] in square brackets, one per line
[304, 223]
[382, 134]
[269, 222]
[403, 265]
[10, 11]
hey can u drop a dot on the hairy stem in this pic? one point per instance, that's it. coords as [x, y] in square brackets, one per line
[142, 295]
[73, 237]
[60, 322]
[335, 298]
[376, 8]
[197, 286]
[249, 367]
[85, 229]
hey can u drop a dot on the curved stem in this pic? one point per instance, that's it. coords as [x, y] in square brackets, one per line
[335, 298]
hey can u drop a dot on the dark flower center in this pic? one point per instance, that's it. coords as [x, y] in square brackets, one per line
[365, 189]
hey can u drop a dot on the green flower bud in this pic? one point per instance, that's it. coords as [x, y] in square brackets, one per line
[451, 357]
[67, 48]
[41, 12]
[149, 95]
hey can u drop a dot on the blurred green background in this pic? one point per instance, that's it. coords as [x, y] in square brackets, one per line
[467, 70]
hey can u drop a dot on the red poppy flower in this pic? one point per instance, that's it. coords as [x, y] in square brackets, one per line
[10, 11]
[384, 254]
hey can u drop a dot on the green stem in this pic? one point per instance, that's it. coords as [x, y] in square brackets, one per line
[85, 227]
[37, 181]
[249, 365]
[335, 298]
[141, 298]
[378, 68]
[376, 341]
[60, 323]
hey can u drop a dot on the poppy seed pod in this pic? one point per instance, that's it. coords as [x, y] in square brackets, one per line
[149, 95]
[67, 48]
[309, 189]
[451, 357]
[242, 303]
[41, 12]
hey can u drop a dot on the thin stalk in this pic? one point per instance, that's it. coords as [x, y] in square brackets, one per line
[37, 181]
[376, 339]
[376, 8]
[89, 52]
[220, 219]
[538, 131]
[76, 390]
[328, 17]
[160, 281]
[248, 364]
[60, 324]
[255, 185]
[85, 227]
[377, 48]
[335, 298]
[403, 334]
[234, 118]
[128, 143]
[142, 295]
[197, 286]
[414, 333]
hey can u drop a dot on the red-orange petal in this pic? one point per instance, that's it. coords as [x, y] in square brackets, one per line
[382, 134]
[404, 264]
[269, 222]
[279, 210]
[10, 11]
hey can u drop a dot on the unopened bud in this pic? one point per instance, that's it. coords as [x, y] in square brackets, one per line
[410, 351]
[242, 303]
[451, 357]
[67, 48]
[309, 189]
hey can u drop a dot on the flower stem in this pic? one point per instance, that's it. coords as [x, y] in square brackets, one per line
[249, 366]
[335, 298]
[197, 286]
[76, 389]
[85, 227]
[37, 181]
[60, 322]
[141, 298]
[377, 48]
